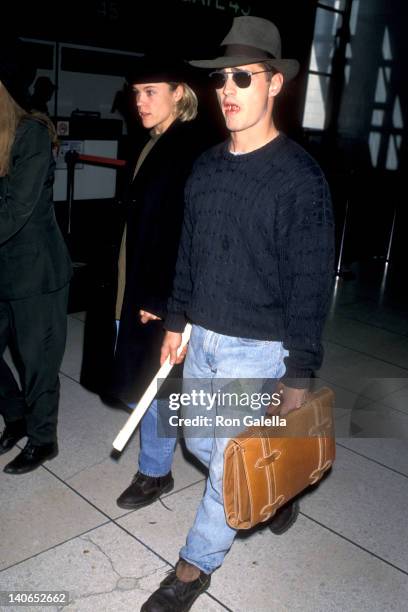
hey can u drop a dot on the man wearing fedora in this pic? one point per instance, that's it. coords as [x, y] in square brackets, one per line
[254, 274]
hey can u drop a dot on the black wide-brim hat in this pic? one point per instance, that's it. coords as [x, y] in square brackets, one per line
[252, 40]
[16, 71]
[152, 69]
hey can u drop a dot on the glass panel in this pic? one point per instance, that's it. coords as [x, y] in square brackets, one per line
[392, 155]
[386, 48]
[339, 5]
[374, 144]
[397, 115]
[380, 93]
[326, 27]
[378, 118]
[354, 16]
[315, 109]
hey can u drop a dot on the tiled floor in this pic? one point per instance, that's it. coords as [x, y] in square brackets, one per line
[61, 529]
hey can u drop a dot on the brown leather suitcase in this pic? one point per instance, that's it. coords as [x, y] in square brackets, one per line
[265, 467]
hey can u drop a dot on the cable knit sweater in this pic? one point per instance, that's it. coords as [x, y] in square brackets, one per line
[256, 258]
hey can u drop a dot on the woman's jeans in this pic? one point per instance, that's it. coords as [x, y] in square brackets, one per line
[217, 358]
[156, 453]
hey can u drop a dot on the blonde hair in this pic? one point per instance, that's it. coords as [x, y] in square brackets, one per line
[188, 104]
[11, 115]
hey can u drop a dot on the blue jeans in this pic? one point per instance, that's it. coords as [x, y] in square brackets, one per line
[213, 356]
[156, 454]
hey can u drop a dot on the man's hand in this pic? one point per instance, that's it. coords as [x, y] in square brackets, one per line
[171, 342]
[291, 399]
[145, 316]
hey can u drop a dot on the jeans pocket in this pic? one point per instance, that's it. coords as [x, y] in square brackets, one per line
[253, 342]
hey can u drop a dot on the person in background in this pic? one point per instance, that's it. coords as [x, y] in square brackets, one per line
[167, 107]
[43, 91]
[254, 276]
[35, 270]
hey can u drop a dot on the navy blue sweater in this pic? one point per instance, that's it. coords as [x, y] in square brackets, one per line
[256, 257]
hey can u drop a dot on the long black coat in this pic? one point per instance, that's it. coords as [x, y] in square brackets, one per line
[154, 218]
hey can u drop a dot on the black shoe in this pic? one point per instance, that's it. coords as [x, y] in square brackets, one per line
[174, 595]
[144, 490]
[284, 518]
[12, 433]
[31, 457]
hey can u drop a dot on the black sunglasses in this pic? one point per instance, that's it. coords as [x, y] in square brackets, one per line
[241, 78]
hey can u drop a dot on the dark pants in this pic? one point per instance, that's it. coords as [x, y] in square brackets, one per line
[35, 330]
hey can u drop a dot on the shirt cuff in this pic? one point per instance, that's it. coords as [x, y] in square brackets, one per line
[296, 379]
[175, 322]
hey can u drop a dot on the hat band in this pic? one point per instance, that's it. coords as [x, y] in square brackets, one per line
[247, 51]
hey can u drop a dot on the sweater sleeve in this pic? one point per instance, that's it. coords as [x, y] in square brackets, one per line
[182, 284]
[306, 270]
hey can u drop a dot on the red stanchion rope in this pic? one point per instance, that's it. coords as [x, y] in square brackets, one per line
[103, 161]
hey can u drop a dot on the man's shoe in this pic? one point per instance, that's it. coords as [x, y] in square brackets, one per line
[174, 595]
[31, 457]
[284, 518]
[12, 433]
[144, 490]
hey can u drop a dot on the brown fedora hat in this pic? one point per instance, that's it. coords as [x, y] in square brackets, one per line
[252, 40]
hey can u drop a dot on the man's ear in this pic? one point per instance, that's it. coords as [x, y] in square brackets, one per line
[275, 85]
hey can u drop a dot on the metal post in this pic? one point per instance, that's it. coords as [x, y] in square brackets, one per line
[339, 263]
[387, 258]
[71, 158]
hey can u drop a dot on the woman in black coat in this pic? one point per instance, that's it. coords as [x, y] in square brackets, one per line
[35, 271]
[166, 106]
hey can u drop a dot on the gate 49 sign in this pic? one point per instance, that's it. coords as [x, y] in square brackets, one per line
[238, 8]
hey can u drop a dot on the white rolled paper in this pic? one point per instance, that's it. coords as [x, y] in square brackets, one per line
[148, 396]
